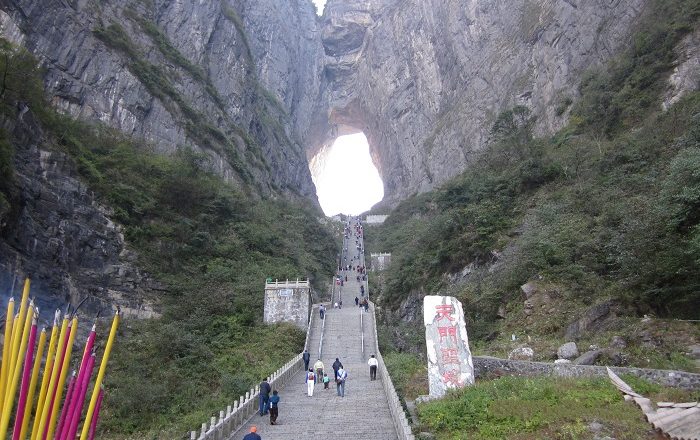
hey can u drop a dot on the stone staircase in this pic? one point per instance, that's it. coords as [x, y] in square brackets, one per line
[364, 411]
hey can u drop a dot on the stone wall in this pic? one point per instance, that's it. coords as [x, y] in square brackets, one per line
[488, 366]
[379, 261]
[288, 303]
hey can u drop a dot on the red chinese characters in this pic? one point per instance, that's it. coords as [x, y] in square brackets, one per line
[448, 336]
[450, 356]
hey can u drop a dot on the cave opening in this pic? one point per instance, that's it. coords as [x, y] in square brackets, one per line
[346, 178]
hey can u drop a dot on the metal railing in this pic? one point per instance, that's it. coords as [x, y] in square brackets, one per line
[398, 416]
[362, 331]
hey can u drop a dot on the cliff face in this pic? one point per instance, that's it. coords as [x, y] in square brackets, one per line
[237, 81]
[425, 79]
[262, 86]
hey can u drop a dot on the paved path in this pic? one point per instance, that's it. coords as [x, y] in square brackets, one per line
[363, 413]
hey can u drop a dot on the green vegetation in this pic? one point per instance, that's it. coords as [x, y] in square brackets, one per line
[606, 208]
[173, 55]
[234, 18]
[521, 408]
[209, 245]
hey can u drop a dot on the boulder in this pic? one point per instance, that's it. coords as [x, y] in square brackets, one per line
[521, 354]
[588, 320]
[529, 289]
[588, 358]
[618, 342]
[568, 351]
[562, 361]
[501, 312]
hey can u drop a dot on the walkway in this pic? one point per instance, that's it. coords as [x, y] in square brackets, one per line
[363, 413]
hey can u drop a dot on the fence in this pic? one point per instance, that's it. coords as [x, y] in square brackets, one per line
[237, 414]
[398, 416]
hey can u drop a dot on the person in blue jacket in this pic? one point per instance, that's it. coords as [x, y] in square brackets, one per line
[274, 407]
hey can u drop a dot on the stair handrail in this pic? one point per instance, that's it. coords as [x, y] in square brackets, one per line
[398, 416]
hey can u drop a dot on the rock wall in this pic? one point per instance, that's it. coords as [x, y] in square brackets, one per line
[485, 367]
[235, 80]
[248, 71]
[425, 79]
[64, 240]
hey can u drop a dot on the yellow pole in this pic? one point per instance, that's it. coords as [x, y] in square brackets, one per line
[21, 330]
[32, 384]
[100, 376]
[62, 382]
[12, 383]
[48, 368]
[7, 343]
[43, 420]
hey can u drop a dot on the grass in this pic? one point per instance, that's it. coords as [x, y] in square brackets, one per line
[605, 208]
[522, 408]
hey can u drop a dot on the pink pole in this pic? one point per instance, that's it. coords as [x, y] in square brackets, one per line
[66, 404]
[72, 398]
[80, 399]
[93, 425]
[51, 402]
[26, 375]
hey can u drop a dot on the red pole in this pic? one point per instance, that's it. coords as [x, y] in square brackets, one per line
[53, 392]
[26, 374]
[65, 428]
[80, 400]
[93, 425]
[66, 405]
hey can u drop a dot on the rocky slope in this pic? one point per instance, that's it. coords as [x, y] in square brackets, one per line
[261, 87]
[424, 80]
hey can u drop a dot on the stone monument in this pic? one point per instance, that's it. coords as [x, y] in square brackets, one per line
[288, 301]
[449, 358]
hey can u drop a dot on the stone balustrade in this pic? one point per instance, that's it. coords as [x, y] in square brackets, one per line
[403, 428]
[237, 414]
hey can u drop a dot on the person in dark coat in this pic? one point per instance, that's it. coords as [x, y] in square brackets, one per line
[307, 357]
[336, 366]
[252, 435]
[264, 397]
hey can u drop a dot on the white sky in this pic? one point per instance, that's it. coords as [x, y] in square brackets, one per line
[319, 6]
[348, 183]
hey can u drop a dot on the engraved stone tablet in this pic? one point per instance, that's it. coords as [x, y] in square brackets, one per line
[449, 358]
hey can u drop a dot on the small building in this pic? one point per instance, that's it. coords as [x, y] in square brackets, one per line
[379, 262]
[287, 301]
[375, 219]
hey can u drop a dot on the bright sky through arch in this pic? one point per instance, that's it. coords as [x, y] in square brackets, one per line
[319, 6]
[347, 181]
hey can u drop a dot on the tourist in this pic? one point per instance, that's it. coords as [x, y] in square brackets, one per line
[373, 363]
[264, 396]
[310, 381]
[274, 407]
[340, 382]
[307, 357]
[322, 311]
[326, 381]
[336, 366]
[252, 435]
[357, 301]
[318, 367]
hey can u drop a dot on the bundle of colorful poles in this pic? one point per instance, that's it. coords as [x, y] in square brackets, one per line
[21, 365]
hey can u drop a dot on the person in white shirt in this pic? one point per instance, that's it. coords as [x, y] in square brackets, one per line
[373, 363]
